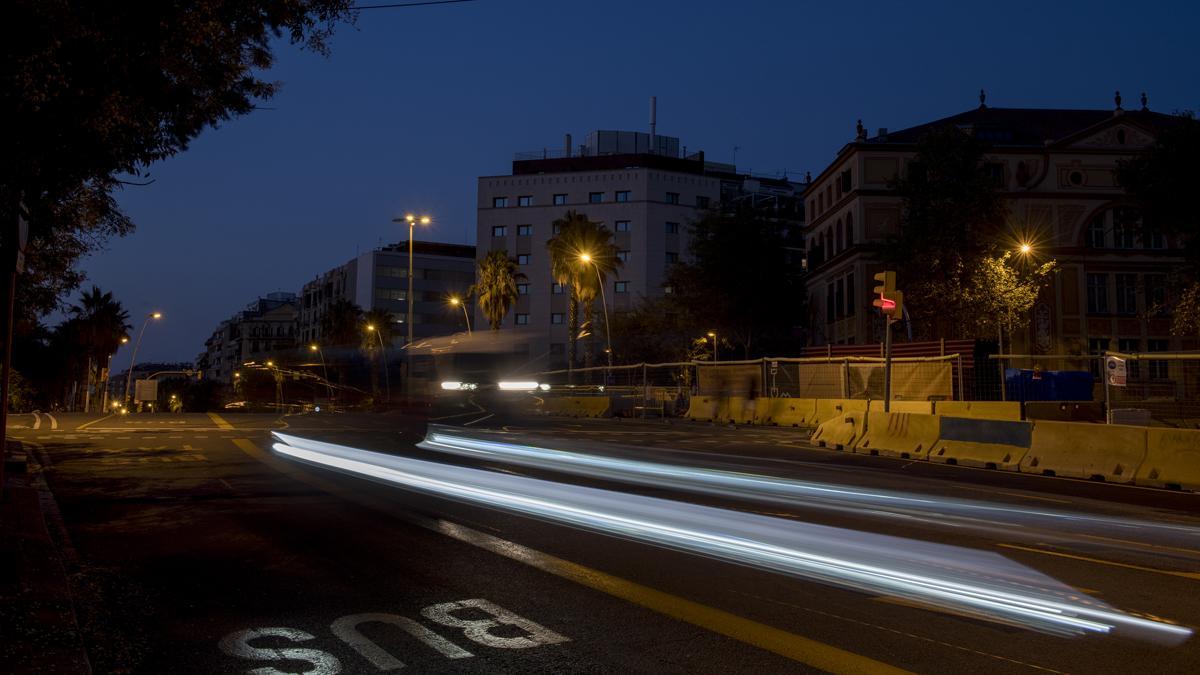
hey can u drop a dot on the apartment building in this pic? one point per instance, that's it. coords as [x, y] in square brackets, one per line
[266, 326]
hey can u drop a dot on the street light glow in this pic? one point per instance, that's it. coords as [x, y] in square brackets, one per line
[454, 301]
[370, 326]
[712, 334]
[585, 257]
[312, 348]
[1026, 249]
[156, 315]
[125, 340]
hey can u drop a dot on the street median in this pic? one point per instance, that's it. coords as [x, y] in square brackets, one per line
[899, 434]
[982, 443]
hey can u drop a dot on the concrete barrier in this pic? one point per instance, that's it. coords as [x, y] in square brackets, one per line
[577, 406]
[786, 412]
[702, 408]
[1172, 459]
[899, 434]
[739, 410]
[919, 407]
[984, 410]
[1065, 411]
[828, 408]
[983, 443]
[1108, 452]
[840, 432]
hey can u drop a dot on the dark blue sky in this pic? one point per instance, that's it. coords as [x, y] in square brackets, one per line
[414, 104]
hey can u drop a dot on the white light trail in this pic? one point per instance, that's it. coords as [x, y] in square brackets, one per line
[979, 583]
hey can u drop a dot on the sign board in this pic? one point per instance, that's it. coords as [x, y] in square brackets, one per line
[145, 390]
[774, 367]
[1114, 369]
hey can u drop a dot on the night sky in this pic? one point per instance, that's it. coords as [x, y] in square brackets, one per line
[414, 104]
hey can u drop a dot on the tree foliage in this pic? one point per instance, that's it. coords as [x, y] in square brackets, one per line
[952, 218]
[744, 280]
[496, 286]
[1001, 292]
[584, 279]
[96, 92]
[341, 324]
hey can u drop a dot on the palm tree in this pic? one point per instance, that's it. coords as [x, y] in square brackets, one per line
[341, 323]
[496, 286]
[101, 323]
[582, 256]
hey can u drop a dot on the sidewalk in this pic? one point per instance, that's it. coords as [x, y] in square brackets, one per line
[38, 627]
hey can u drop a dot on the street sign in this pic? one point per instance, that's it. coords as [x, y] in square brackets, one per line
[145, 390]
[1114, 368]
[774, 367]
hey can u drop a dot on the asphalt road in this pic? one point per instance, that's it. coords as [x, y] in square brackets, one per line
[199, 550]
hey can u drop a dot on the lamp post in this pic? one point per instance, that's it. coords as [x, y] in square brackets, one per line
[133, 357]
[586, 259]
[383, 352]
[713, 335]
[412, 221]
[459, 303]
[328, 385]
[107, 371]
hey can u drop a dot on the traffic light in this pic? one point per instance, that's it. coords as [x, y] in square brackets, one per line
[890, 300]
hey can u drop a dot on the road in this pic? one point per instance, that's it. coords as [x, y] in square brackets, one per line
[198, 549]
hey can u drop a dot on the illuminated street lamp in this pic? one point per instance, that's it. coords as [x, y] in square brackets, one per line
[586, 258]
[317, 348]
[1025, 249]
[133, 357]
[386, 378]
[459, 303]
[107, 372]
[412, 221]
[713, 335]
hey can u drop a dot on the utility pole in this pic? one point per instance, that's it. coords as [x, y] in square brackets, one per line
[13, 237]
[891, 303]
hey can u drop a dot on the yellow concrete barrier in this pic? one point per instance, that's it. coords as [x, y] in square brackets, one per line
[1172, 459]
[786, 412]
[899, 434]
[840, 432]
[984, 410]
[920, 407]
[576, 406]
[983, 443]
[702, 408]
[738, 410]
[1109, 452]
[828, 408]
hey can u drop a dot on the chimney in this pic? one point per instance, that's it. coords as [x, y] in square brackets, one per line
[567, 145]
[653, 122]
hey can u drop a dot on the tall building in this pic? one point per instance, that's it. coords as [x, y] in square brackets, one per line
[638, 185]
[1055, 168]
[267, 325]
[378, 280]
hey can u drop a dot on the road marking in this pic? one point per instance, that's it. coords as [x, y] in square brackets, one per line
[1195, 576]
[478, 420]
[37, 421]
[53, 422]
[88, 424]
[219, 421]
[789, 645]
[1014, 494]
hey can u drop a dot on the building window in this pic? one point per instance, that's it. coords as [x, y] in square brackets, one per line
[845, 181]
[838, 237]
[499, 202]
[1124, 232]
[499, 230]
[622, 195]
[556, 288]
[672, 257]
[622, 226]
[849, 230]
[524, 230]
[1155, 239]
[995, 172]
[1126, 294]
[1158, 370]
[595, 197]
[525, 200]
[522, 258]
[522, 289]
[556, 318]
[839, 299]
[672, 197]
[621, 287]
[623, 256]
[701, 202]
[667, 290]
[672, 228]
[1095, 233]
[1096, 347]
[830, 312]
[850, 295]
[1097, 293]
[1156, 294]
[559, 200]
[1130, 346]
[522, 320]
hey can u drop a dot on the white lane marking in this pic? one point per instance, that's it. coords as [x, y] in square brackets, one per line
[479, 630]
[238, 644]
[37, 421]
[346, 629]
[465, 424]
[53, 422]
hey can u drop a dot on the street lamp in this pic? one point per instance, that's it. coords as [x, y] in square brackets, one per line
[412, 221]
[586, 258]
[328, 385]
[459, 303]
[713, 335]
[1026, 249]
[108, 372]
[386, 378]
[133, 357]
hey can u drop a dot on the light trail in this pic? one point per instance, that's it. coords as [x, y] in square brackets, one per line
[1013, 522]
[979, 583]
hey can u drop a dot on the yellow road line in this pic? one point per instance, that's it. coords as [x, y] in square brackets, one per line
[789, 645]
[95, 421]
[1195, 576]
[219, 421]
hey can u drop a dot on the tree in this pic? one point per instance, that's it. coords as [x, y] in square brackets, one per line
[952, 216]
[1160, 183]
[659, 330]
[496, 286]
[375, 331]
[1000, 294]
[745, 281]
[341, 324]
[582, 256]
[102, 324]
